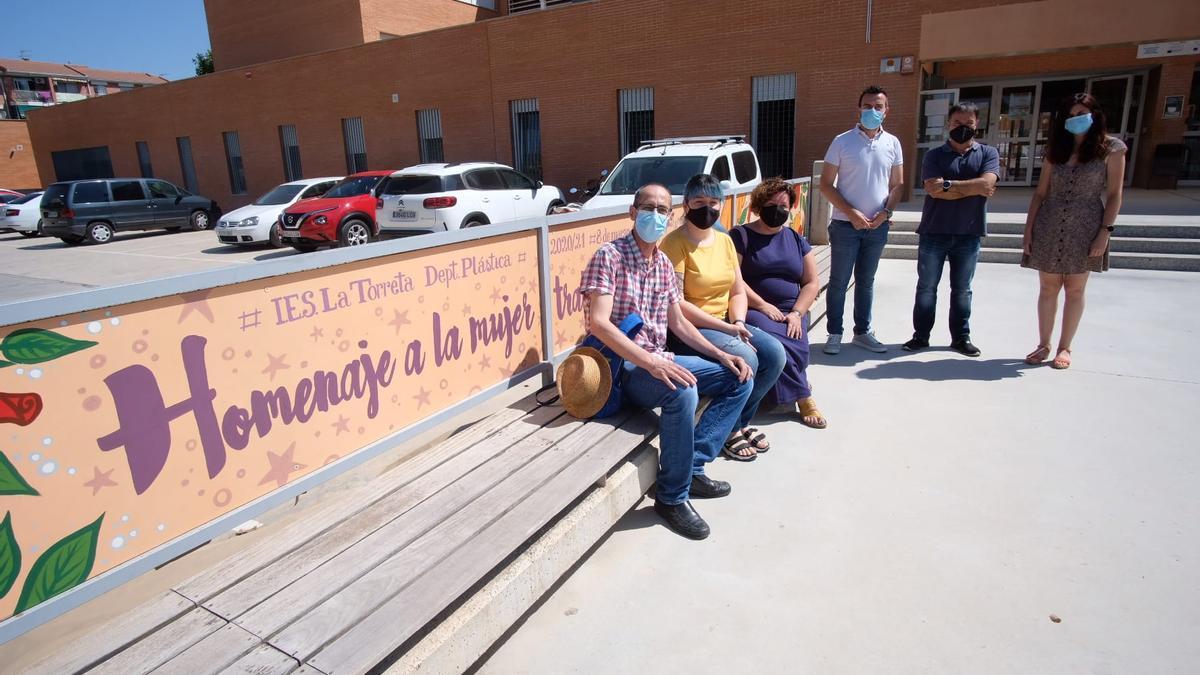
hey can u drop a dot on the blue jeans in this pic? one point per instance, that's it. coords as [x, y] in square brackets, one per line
[932, 253]
[685, 444]
[854, 252]
[765, 356]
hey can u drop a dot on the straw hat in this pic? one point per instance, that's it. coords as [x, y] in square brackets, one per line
[584, 381]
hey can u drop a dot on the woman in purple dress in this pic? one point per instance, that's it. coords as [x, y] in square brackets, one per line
[781, 278]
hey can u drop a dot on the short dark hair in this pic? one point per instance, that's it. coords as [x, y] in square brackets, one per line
[963, 107]
[637, 196]
[767, 190]
[870, 91]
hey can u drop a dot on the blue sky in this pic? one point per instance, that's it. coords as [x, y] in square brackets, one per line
[158, 37]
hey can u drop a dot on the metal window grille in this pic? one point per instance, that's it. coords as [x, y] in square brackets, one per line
[143, 152]
[526, 137]
[636, 117]
[356, 144]
[187, 166]
[773, 123]
[233, 160]
[429, 135]
[518, 6]
[289, 144]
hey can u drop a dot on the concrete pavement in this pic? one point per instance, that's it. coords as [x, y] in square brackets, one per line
[951, 508]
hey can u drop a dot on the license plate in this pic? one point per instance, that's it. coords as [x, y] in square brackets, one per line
[52, 214]
[289, 235]
[404, 215]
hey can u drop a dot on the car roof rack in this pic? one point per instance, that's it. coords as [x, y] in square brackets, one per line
[716, 141]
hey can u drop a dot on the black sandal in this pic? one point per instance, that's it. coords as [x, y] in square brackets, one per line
[756, 439]
[736, 445]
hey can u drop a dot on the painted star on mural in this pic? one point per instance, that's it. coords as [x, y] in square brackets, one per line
[495, 296]
[100, 479]
[399, 320]
[196, 301]
[485, 362]
[423, 398]
[276, 364]
[282, 466]
[342, 424]
[560, 337]
[317, 333]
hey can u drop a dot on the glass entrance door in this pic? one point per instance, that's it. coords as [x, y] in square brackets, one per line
[931, 130]
[1012, 131]
[1120, 98]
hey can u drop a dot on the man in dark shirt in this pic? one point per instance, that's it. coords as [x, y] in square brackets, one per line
[959, 177]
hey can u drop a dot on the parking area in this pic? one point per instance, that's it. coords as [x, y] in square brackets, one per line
[44, 266]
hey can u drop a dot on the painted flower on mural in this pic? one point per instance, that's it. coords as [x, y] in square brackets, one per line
[19, 409]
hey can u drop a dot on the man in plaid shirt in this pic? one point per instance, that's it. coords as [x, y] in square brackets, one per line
[629, 275]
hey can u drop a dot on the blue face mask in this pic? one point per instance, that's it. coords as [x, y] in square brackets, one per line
[1079, 124]
[650, 226]
[871, 118]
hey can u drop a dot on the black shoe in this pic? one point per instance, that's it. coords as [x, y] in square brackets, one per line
[963, 346]
[683, 519]
[704, 487]
[916, 344]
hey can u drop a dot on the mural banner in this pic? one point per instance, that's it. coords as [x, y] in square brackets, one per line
[124, 428]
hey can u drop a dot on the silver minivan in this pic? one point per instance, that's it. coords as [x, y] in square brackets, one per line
[95, 210]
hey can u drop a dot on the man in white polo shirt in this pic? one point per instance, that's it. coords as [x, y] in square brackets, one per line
[868, 167]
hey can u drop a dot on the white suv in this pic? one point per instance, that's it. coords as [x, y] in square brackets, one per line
[441, 197]
[672, 161]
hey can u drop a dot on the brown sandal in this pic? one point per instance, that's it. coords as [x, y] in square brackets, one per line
[1038, 355]
[807, 408]
[1059, 363]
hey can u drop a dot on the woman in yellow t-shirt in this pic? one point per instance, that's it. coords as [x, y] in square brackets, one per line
[715, 302]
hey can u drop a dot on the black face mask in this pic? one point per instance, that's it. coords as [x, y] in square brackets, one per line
[773, 215]
[962, 134]
[703, 217]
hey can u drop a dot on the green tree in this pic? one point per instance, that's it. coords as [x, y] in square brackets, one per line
[203, 61]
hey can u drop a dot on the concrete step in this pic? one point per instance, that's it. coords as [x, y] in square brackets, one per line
[1119, 244]
[1117, 260]
[908, 222]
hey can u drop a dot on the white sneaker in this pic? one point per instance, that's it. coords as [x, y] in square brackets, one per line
[868, 342]
[833, 343]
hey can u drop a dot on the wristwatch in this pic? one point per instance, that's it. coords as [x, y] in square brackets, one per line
[1110, 228]
[889, 212]
[946, 186]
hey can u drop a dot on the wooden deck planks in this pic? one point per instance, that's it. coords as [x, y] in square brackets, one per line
[213, 654]
[298, 598]
[369, 642]
[209, 583]
[263, 660]
[437, 547]
[262, 584]
[163, 645]
[113, 636]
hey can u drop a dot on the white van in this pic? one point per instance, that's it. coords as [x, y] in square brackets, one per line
[672, 161]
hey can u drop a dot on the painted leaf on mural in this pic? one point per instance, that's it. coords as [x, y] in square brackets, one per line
[10, 556]
[62, 567]
[37, 345]
[19, 409]
[11, 482]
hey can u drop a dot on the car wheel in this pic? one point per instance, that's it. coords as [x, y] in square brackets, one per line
[99, 232]
[274, 239]
[475, 223]
[199, 220]
[553, 205]
[354, 233]
[304, 248]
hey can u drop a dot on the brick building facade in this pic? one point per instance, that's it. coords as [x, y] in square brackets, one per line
[701, 58]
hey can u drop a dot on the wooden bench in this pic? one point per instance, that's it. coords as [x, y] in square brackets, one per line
[363, 578]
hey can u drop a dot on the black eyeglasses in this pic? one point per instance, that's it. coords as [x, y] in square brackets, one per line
[661, 210]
